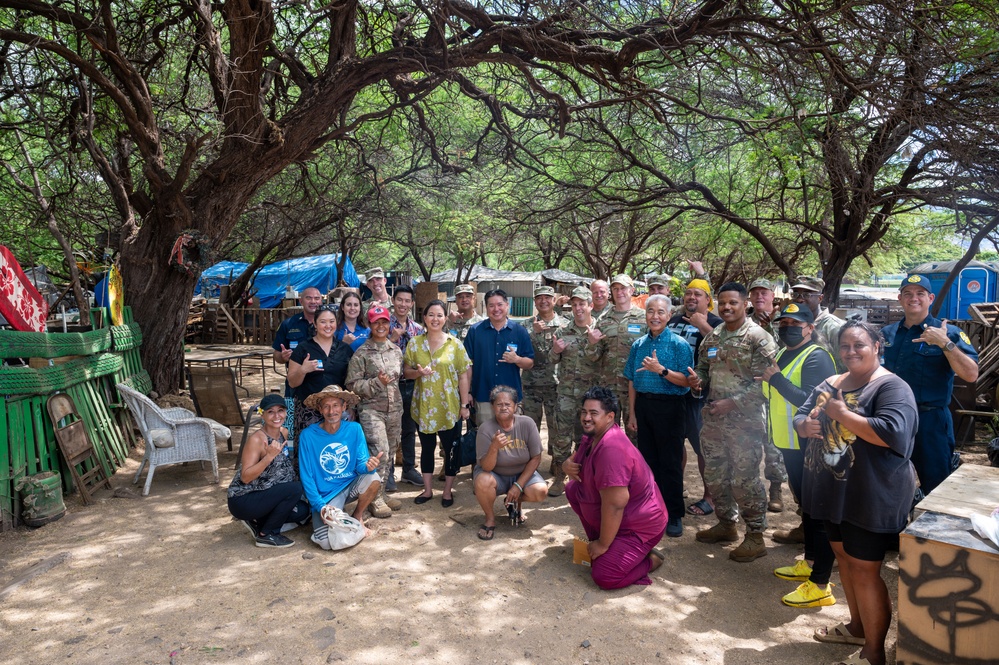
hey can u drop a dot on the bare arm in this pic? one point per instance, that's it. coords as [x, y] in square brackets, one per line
[612, 503]
[258, 455]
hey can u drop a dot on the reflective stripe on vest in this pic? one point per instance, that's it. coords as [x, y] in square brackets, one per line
[780, 420]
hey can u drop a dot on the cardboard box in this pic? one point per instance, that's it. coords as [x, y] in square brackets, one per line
[580, 555]
[948, 593]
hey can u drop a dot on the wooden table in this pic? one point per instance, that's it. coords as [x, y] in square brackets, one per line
[948, 576]
[971, 489]
[226, 354]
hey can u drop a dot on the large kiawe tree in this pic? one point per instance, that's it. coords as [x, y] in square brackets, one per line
[189, 107]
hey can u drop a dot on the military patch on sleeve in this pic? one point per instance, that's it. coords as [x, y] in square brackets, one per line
[965, 338]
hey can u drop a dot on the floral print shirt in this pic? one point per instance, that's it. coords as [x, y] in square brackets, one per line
[436, 398]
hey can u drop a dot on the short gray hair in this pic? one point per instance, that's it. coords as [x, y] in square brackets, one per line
[499, 390]
[656, 297]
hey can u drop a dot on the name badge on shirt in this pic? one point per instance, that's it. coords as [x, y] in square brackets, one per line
[320, 365]
[634, 329]
[712, 353]
[292, 344]
[511, 347]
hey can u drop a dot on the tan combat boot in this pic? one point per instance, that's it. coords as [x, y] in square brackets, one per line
[391, 502]
[790, 537]
[378, 508]
[752, 547]
[722, 532]
[558, 485]
[776, 504]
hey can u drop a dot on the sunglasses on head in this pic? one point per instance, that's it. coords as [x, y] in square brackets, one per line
[327, 308]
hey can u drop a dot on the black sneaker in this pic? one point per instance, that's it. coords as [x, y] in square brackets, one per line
[274, 540]
[674, 527]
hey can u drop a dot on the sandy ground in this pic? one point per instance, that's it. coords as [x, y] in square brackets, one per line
[171, 578]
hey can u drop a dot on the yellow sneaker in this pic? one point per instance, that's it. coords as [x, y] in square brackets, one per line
[810, 595]
[799, 572]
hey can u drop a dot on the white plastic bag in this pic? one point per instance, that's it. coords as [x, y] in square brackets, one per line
[344, 530]
[987, 527]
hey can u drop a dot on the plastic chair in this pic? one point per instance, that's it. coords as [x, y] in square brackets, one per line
[172, 435]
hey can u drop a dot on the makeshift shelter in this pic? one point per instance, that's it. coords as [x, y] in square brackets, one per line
[271, 281]
[519, 286]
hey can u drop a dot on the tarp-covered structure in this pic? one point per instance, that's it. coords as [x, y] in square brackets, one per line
[271, 281]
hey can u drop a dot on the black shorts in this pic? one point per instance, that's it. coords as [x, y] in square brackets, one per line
[861, 543]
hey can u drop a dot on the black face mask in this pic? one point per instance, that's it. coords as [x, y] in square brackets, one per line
[791, 335]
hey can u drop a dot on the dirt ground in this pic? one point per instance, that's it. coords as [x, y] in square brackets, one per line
[171, 578]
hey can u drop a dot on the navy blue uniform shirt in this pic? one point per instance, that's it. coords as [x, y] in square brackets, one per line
[924, 366]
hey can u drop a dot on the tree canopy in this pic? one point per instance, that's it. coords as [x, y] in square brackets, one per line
[766, 137]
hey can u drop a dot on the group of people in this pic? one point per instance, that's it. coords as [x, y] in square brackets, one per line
[852, 417]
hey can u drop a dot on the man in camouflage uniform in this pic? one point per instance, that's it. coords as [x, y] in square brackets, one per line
[658, 285]
[601, 298]
[576, 374]
[611, 340]
[466, 316]
[761, 297]
[375, 281]
[373, 375]
[729, 359]
[808, 292]
[539, 382]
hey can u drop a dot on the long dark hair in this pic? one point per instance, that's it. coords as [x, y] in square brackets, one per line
[362, 320]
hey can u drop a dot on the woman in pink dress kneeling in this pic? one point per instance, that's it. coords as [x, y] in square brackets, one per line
[615, 495]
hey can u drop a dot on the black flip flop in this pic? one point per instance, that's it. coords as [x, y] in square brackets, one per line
[489, 532]
[701, 505]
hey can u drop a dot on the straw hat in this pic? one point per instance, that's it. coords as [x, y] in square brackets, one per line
[315, 399]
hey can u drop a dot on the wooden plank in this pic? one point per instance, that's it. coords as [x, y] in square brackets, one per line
[972, 489]
[6, 483]
[101, 447]
[34, 571]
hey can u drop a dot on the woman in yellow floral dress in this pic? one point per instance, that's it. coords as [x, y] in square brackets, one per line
[440, 365]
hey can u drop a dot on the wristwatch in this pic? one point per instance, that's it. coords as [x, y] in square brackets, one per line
[950, 346]
[664, 373]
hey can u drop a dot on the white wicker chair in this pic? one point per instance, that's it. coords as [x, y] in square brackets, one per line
[172, 435]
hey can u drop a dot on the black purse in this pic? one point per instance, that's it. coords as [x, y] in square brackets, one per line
[466, 444]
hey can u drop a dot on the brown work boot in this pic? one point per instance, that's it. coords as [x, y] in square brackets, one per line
[378, 508]
[752, 547]
[392, 502]
[776, 504]
[558, 485]
[794, 536]
[722, 532]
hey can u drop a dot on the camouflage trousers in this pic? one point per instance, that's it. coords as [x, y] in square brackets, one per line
[570, 430]
[540, 400]
[733, 449]
[773, 462]
[621, 390]
[383, 431]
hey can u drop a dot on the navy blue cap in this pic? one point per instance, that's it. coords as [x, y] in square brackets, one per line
[916, 280]
[796, 312]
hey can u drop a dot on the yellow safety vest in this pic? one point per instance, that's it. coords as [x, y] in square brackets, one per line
[780, 418]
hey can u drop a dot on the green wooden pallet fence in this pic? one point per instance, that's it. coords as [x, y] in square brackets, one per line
[103, 358]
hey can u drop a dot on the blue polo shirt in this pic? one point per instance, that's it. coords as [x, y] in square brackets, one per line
[924, 366]
[672, 351]
[292, 330]
[485, 346]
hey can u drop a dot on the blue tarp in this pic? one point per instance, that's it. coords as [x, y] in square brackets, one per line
[270, 281]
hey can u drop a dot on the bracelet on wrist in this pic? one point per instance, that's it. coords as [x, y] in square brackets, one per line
[519, 486]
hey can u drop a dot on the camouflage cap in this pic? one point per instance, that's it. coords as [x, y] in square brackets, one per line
[372, 273]
[582, 293]
[810, 284]
[656, 280]
[623, 280]
[464, 288]
[544, 291]
[763, 284]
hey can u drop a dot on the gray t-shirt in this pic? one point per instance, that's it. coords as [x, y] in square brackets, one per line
[525, 443]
